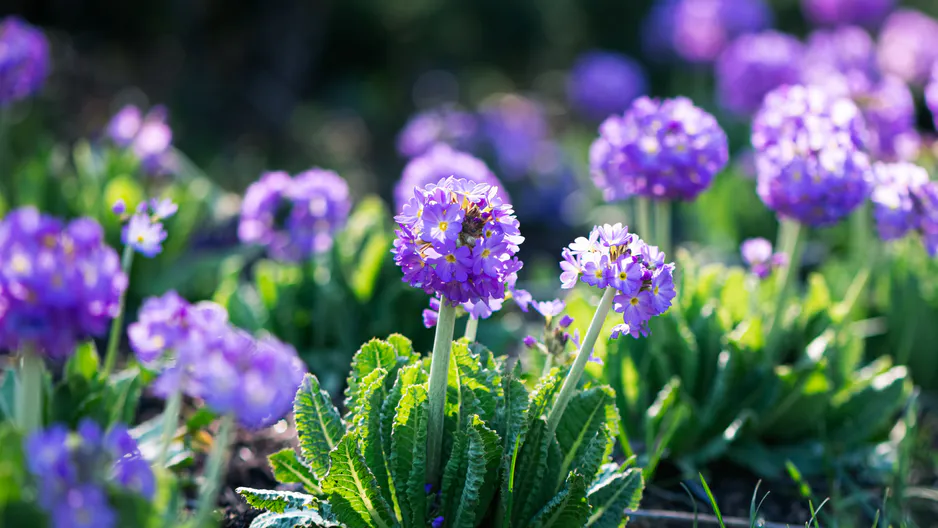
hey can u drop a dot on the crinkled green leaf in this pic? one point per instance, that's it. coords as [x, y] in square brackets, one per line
[288, 469]
[568, 508]
[454, 472]
[369, 427]
[372, 355]
[544, 393]
[513, 424]
[466, 369]
[293, 519]
[612, 494]
[319, 426]
[352, 488]
[478, 483]
[276, 501]
[531, 476]
[402, 346]
[409, 454]
[583, 418]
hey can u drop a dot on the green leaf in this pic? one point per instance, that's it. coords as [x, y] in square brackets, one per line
[869, 405]
[567, 508]
[454, 471]
[293, 519]
[612, 494]
[543, 394]
[402, 346]
[372, 355]
[124, 390]
[406, 377]
[318, 425]
[478, 483]
[84, 362]
[531, 472]
[352, 489]
[512, 425]
[8, 395]
[585, 415]
[288, 469]
[409, 454]
[369, 428]
[276, 501]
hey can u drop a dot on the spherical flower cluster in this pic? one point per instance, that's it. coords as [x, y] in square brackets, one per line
[148, 137]
[808, 155]
[843, 62]
[74, 472]
[758, 255]
[24, 60]
[443, 125]
[59, 283]
[613, 257]
[667, 149]
[754, 65]
[604, 82]
[867, 13]
[908, 45]
[904, 200]
[438, 162]
[457, 239]
[294, 218]
[517, 131]
[699, 30]
[199, 352]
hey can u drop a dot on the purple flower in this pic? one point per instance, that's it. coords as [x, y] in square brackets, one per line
[628, 275]
[867, 13]
[444, 125]
[294, 218]
[164, 208]
[636, 309]
[604, 82]
[83, 507]
[124, 125]
[438, 162]
[522, 298]
[810, 166]
[908, 45]
[699, 30]
[549, 308]
[660, 149]
[149, 137]
[449, 264]
[931, 94]
[896, 198]
[754, 65]
[529, 341]
[758, 255]
[24, 60]
[59, 284]
[119, 207]
[565, 321]
[517, 130]
[144, 234]
[437, 522]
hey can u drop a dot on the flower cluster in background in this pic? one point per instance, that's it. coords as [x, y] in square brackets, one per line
[614, 258]
[76, 473]
[754, 65]
[197, 351]
[603, 82]
[809, 157]
[443, 125]
[866, 13]
[757, 254]
[148, 137]
[457, 239]
[24, 60]
[294, 218]
[908, 45]
[667, 149]
[904, 201]
[438, 162]
[59, 282]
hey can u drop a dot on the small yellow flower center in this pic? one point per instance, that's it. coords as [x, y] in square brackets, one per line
[49, 241]
[139, 239]
[634, 301]
[486, 252]
[20, 263]
[655, 291]
[451, 258]
[599, 274]
[444, 226]
[622, 275]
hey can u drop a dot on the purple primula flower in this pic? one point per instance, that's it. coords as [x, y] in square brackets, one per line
[597, 270]
[908, 45]
[59, 284]
[808, 154]
[294, 218]
[904, 201]
[149, 137]
[124, 125]
[438, 162]
[448, 263]
[754, 65]
[119, 207]
[83, 506]
[659, 149]
[517, 130]
[868, 13]
[757, 254]
[628, 275]
[549, 308]
[144, 235]
[522, 298]
[164, 208]
[604, 82]
[529, 341]
[565, 321]
[571, 269]
[24, 60]
[444, 125]
[699, 30]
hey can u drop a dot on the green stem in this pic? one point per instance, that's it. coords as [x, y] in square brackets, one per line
[791, 238]
[439, 375]
[642, 218]
[110, 358]
[472, 328]
[860, 234]
[579, 364]
[170, 422]
[214, 469]
[548, 363]
[663, 226]
[29, 391]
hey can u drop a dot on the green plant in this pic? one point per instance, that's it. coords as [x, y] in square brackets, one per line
[502, 466]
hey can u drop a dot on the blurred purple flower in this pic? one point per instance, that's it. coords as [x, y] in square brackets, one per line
[754, 65]
[604, 82]
[908, 45]
[757, 254]
[148, 137]
[438, 162]
[443, 125]
[144, 234]
[931, 95]
[529, 341]
[867, 13]
[24, 60]
[517, 130]
[549, 308]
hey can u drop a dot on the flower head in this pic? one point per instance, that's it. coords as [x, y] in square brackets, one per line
[757, 253]
[517, 130]
[294, 218]
[59, 283]
[660, 149]
[904, 201]
[24, 60]
[148, 136]
[867, 13]
[753, 65]
[438, 162]
[931, 94]
[144, 234]
[604, 82]
[908, 45]
[443, 125]
[810, 166]
[549, 308]
[441, 230]
[613, 257]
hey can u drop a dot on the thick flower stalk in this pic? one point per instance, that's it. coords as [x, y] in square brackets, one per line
[148, 137]
[447, 125]
[24, 60]
[905, 201]
[754, 65]
[294, 218]
[74, 473]
[667, 149]
[438, 162]
[636, 283]
[456, 240]
[604, 82]
[867, 13]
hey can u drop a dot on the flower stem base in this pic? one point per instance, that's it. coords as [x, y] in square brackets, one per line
[439, 376]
